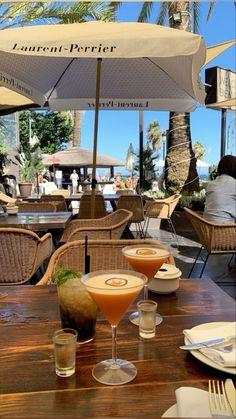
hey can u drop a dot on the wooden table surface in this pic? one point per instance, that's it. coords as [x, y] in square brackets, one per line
[29, 387]
[37, 221]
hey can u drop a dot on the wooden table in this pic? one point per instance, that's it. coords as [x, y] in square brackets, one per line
[29, 387]
[37, 221]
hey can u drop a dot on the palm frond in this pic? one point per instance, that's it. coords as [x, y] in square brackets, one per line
[163, 13]
[196, 16]
[210, 10]
[146, 11]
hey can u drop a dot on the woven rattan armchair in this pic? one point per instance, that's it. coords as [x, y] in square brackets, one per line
[104, 254]
[133, 203]
[36, 207]
[58, 200]
[215, 238]
[161, 209]
[85, 206]
[22, 253]
[109, 227]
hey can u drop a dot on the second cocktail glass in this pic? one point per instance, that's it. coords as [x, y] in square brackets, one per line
[147, 259]
[113, 291]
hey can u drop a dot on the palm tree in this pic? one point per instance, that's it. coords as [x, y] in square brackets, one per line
[24, 14]
[181, 172]
[153, 135]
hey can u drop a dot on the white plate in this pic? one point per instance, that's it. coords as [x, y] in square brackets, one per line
[171, 412]
[203, 358]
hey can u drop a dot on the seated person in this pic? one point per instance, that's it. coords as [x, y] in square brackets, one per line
[220, 204]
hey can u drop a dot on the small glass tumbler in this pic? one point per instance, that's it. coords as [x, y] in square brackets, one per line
[65, 351]
[147, 316]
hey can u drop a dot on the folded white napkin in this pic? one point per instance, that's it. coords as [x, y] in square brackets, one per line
[192, 403]
[225, 359]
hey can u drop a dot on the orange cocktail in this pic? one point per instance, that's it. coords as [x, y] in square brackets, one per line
[113, 291]
[146, 259]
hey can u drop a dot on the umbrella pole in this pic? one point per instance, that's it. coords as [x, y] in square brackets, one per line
[98, 79]
[141, 152]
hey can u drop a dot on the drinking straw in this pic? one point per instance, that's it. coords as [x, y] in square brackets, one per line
[87, 257]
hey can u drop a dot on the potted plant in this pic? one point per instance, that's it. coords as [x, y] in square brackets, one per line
[30, 164]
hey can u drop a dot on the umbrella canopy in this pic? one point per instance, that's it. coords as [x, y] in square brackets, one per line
[55, 64]
[79, 157]
[130, 158]
[11, 101]
[201, 163]
[105, 65]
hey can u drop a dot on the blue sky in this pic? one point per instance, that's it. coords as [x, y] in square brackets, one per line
[117, 129]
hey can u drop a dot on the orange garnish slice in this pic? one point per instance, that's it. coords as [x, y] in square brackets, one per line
[116, 282]
[146, 252]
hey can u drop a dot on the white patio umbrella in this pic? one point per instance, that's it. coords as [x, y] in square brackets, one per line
[130, 159]
[160, 163]
[201, 163]
[104, 65]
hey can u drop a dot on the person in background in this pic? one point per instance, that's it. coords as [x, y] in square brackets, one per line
[74, 177]
[220, 204]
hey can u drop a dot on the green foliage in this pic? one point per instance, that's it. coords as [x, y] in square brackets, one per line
[29, 160]
[63, 274]
[155, 194]
[196, 201]
[213, 172]
[4, 160]
[153, 135]
[53, 129]
[15, 14]
[199, 150]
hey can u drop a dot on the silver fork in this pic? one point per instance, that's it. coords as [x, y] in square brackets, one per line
[219, 406]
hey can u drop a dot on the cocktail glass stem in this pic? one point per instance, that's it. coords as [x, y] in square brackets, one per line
[114, 344]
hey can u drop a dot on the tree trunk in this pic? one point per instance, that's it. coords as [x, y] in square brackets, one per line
[180, 170]
[77, 115]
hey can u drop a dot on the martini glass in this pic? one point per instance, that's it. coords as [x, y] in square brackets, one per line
[113, 291]
[147, 259]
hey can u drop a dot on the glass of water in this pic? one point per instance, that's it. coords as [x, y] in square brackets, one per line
[147, 318]
[65, 351]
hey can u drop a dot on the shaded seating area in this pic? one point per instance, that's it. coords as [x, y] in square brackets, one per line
[22, 253]
[214, 238]
[161, 209]
[133, 203]
[103, 254]
[109, 227]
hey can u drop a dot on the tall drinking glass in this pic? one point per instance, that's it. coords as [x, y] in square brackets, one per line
[147, 259]
[113, 291]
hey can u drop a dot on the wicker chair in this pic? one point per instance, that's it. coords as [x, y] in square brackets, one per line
[133, 203]
[85, 206]
[58, 200]
[109, 227]
[215, 238]
[36, 207]
[22, 253]
[161, 209]
[103, 254]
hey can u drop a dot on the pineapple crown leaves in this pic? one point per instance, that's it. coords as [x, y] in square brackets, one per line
[62, 275]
